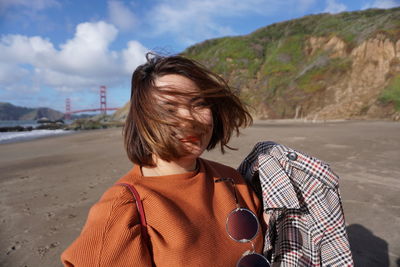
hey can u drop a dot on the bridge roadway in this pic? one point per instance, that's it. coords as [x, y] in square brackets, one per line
[89, 110]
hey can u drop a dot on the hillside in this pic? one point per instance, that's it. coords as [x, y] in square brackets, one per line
[317, 67]
[11, 112]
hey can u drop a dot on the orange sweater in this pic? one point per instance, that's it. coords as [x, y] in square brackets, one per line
[186, 217]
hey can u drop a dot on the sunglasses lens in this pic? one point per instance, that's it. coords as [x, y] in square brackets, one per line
[253, 260]
[242, 225]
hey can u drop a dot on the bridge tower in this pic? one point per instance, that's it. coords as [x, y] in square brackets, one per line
[103, 100]
[67, 108]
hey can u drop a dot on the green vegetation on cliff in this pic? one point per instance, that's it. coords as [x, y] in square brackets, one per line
[391, 94]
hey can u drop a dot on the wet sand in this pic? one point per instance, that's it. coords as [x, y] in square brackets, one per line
[47, 186]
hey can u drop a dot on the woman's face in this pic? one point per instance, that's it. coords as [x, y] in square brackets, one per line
[195, 142]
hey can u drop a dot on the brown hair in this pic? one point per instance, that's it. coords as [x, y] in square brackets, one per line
[150, 129]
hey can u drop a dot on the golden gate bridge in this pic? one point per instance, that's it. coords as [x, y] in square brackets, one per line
[103, 105]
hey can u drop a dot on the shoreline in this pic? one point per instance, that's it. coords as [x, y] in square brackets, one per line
[26, 136]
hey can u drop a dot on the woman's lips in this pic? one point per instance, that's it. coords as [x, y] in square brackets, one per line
[191, 139]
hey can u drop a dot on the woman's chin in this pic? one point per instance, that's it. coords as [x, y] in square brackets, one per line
[194, 151]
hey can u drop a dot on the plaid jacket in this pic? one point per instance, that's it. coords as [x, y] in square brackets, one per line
[301, 195]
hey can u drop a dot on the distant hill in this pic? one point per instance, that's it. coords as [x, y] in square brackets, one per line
[322, 66]
[11, 112]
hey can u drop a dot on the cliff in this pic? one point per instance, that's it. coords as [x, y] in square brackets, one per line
[317, 67]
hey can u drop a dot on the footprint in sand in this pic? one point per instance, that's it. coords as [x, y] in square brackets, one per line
[43, 250]
[17, 245]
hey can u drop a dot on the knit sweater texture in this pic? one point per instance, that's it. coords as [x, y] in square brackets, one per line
[186, 216]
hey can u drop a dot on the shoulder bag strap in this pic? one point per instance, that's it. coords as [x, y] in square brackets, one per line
[139, 206]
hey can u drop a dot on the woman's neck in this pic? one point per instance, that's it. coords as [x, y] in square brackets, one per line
[169, 168]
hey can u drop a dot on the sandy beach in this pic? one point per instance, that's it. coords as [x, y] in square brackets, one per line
[48, 185]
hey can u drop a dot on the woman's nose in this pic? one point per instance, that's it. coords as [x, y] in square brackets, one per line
[187, 116]
[184, 113]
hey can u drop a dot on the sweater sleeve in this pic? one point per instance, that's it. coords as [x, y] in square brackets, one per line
[111, 235]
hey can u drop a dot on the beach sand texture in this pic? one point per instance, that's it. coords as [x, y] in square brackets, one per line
[47, 186]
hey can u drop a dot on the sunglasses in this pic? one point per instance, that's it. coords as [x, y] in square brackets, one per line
[242, 226]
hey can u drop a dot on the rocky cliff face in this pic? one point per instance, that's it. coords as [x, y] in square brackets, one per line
[374, 63]
[333, 81]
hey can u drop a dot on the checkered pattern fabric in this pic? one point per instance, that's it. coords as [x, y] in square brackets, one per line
[301, 193]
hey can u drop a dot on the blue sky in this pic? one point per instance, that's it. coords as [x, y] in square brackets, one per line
[53, 49]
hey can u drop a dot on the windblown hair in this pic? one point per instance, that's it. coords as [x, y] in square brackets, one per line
[151, 128]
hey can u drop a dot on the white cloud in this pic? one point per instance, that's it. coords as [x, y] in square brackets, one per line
[133, 56]
[192, 21]
[11, 73]
[382, 4]
[83, 62]
[121, 16]
[88, 51]
[17, 81]
[334, 7]
[25, 50]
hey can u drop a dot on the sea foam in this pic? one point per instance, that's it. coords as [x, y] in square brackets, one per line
[10, 137]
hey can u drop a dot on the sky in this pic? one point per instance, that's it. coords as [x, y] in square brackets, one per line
[51, 50]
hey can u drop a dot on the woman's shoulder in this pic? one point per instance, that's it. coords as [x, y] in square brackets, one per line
[113, 199]
[116, 194]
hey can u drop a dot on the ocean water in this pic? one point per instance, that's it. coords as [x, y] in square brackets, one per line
[11, 137]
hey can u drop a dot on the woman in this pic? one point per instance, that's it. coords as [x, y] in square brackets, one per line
[178, 110]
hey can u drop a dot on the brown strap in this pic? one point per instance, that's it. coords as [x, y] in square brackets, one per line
[139, 206]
